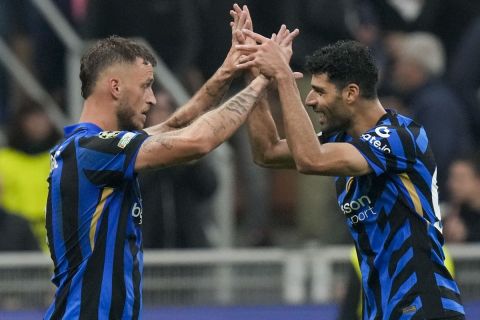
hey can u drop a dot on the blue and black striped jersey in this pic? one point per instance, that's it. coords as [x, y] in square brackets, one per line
[94, 215]
[394, 219]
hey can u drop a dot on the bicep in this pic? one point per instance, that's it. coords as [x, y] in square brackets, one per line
[339, 159]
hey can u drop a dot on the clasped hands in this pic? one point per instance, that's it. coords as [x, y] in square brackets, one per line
[259, 54]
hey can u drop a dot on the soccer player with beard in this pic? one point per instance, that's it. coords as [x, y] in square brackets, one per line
[94, 207]
[384, 168]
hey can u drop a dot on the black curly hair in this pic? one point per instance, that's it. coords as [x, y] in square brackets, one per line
[107, 52]
[346, 62]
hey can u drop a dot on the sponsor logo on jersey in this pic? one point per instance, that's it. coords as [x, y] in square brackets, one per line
[127, 137]
[382, 132]
[360, 208]
[137, 213]
[355, 205]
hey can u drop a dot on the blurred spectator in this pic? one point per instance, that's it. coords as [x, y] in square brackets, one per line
[24, 166]
[465, 75]
[462, 223]
[176, 206]
[4, 29]
[49, 58]
[172, 27]
[16, 232]
[418, 68]
[13, 31]
[446, 19]
[36, 45]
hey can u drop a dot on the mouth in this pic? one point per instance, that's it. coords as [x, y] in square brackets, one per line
[321, 117]
[144, 116]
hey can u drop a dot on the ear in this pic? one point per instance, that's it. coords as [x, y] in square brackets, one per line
[351, 93]
[114, 87]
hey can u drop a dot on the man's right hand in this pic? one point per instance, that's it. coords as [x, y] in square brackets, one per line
[284, 38]
[240, 21]
[268, 56]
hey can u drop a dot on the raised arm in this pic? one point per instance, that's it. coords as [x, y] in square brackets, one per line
[203, 135]
[267, 148]
[311, 157]
[212, 92]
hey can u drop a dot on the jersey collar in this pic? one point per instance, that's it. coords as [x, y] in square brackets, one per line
[72, 129]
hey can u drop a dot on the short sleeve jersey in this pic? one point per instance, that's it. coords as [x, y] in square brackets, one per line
[93, 220]
[394, 219]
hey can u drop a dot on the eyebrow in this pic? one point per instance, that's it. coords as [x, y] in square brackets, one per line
[317, 88]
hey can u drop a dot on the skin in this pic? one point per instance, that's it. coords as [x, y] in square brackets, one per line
[124, 92]
[463, 185]
[337, 109]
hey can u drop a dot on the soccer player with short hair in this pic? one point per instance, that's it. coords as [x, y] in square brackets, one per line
[384, 168]
[94, 207]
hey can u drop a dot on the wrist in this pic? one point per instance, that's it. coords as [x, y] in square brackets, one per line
[260, 83]
[284, 75]
[251, 74]
[225, 72]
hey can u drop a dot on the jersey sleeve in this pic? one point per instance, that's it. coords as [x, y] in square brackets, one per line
[387, 148]
[109, 157]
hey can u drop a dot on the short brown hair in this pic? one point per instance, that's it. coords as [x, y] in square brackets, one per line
[107, 52]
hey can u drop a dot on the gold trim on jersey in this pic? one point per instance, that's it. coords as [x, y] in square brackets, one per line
[96, 215]
[412, 192]
[348, 185]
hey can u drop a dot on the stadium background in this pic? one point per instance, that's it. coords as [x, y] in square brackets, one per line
[262, 244]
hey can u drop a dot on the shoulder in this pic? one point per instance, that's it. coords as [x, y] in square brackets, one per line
[397, 125]
[396, 134]
[109, 141]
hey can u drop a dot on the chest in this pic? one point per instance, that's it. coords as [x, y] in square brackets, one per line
[360, 198]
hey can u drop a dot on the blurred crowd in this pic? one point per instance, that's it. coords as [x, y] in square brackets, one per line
[427, 50]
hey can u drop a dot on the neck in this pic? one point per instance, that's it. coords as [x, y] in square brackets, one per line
[99, 113]
[366, 115]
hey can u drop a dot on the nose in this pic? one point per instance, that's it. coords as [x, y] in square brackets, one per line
[310, 100]
[150, 99]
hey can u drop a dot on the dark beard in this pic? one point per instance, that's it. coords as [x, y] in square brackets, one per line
[125, 118]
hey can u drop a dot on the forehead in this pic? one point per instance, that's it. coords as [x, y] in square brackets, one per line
[136, 71]
[143, 67]
[321, 80]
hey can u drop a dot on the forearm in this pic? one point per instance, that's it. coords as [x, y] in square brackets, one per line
[209, 96]
[301, 137]
[267, 148]
[219, 124]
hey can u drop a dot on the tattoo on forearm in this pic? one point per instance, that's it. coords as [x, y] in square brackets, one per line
[215, 128]
[210, 91]
[214, 93]
[218, 93]
[232, 113]
[239, 104]
[165, 140]
[177, 122]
